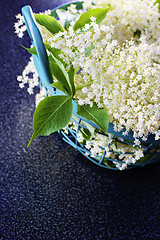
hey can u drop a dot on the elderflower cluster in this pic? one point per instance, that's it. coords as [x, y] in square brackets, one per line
[19, 26]
[123, 80]
[29, 76]
[118, 67]
[116, 153]
[128, 16]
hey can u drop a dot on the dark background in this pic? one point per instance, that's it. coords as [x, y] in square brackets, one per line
[48, 191]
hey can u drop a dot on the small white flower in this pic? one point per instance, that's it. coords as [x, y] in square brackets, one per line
[93, 19]
[81, 102]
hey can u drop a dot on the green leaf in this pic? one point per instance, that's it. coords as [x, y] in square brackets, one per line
[94, 114]
[79, 5]
[67, 24]
[49, 22]
[86, 133]
[89, 126]
[62, 76]
[109, 163]
[98, 13]
[52, 59]
[56, 52]
[66, 17]
[30, 50]
[71, 73]
[59, 86]
[53, 50]
[51, 114]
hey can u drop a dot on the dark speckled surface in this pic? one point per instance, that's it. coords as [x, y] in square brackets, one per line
[48, 191]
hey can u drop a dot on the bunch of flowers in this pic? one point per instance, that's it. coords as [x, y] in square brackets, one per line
[107, 58]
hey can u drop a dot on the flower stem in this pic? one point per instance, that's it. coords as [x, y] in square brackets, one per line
[84, 85]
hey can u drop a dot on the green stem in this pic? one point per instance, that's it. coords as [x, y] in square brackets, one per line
[82, 86]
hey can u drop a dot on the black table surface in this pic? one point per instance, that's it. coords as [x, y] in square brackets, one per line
[48, 191]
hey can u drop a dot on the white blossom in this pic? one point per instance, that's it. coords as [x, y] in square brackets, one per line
[120, 71]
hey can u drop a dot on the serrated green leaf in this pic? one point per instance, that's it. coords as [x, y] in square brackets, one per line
[30, 50]
[59, 86]
[85, 18]
[94, 114]
[62, 76]
[51, 114]
[49, 22]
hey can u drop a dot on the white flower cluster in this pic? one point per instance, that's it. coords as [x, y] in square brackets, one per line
[124, 80]
[20, 28]
[128, 16]
[118, 153]
[40, 96]
[118, 66]
[29, 76]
